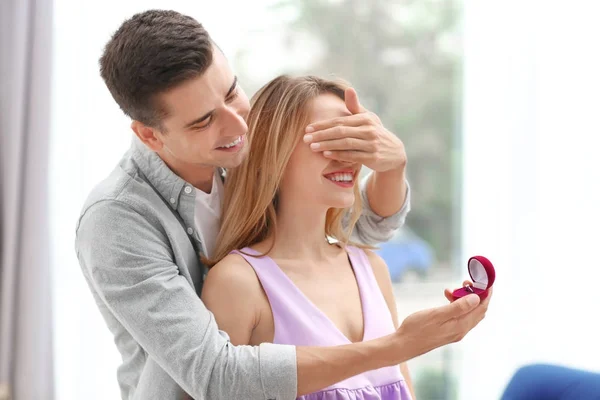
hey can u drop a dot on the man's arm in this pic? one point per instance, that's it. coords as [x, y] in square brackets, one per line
[387, 192]
[234, 294]
[419, 333]
[381, 216]
[129, 263]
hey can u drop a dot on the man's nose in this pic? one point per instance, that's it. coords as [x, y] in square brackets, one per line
[235, 122]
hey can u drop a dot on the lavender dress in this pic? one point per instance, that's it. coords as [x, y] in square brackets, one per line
[299, 322]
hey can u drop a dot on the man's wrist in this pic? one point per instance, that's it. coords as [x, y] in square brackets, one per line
[395, 174]
[319, 367]
[387, 191]
[395, 348]
[387, 351]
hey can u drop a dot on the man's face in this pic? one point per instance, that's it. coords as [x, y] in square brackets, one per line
[205, 126]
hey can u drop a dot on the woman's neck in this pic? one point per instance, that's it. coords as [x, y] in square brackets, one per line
[300, 232]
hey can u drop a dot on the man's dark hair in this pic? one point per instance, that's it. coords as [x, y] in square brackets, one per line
[150, 53]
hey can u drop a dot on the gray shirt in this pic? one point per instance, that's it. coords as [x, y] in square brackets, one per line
[139, 252]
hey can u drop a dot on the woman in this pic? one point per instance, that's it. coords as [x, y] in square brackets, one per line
[286, 271]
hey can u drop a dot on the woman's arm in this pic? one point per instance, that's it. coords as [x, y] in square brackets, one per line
[232, 292]
[382, 275]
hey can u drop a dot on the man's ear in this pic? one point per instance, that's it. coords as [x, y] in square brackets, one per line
[149, 136]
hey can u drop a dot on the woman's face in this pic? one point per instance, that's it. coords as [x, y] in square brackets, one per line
[313, 179]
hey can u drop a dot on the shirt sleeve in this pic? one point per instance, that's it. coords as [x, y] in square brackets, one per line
[372, 229]
[129, 262]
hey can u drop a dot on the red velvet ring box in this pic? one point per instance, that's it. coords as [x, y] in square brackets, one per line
[483, 275]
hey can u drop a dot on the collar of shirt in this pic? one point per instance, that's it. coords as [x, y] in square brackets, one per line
[168, 184]
[179, 194]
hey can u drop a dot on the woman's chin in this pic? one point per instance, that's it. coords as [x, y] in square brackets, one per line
[342, 200]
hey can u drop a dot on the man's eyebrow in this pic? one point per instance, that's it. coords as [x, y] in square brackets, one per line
[208, 114]
[198, 120]
[232, 88]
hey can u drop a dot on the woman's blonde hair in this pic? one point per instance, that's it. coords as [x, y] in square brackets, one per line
[277, 120]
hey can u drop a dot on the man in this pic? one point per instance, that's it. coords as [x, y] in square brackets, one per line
[143, 229]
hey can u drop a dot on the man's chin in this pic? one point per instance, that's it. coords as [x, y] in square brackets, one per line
[233, 160]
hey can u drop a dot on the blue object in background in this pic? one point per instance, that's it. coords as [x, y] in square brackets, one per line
[552, 382]
[406, 252]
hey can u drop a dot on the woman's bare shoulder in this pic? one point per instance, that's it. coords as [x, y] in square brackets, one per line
[232, 273]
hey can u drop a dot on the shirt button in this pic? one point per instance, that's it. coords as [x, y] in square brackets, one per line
[190, 231]
[172, 200]
[188, 189]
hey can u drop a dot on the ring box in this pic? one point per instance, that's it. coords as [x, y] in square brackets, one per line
[482, 274]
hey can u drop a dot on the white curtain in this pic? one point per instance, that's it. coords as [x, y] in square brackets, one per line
[26, 369]
[531, 185]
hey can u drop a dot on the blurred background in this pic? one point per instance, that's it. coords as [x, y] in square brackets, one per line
[495, 101]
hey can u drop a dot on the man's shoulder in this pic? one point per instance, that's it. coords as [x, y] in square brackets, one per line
[122, 212]
[123, 188]
[113, 187]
